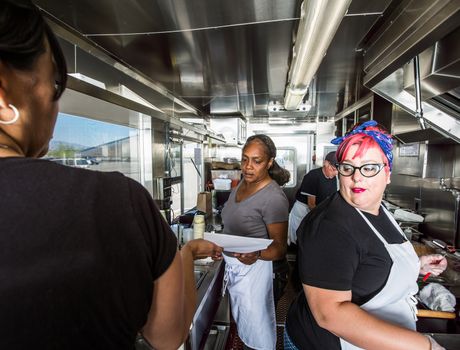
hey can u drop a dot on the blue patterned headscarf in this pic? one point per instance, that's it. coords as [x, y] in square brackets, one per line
[383, 140]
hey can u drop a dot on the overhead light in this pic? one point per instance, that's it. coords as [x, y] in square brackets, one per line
[130, 94]
[88, 80]
[318, 24]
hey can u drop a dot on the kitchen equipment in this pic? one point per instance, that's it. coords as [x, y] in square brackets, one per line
[439, 243]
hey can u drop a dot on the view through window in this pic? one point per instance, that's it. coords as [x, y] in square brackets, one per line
[96, 145]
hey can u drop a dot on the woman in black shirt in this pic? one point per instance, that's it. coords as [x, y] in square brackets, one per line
[357, 269]
[79, 269]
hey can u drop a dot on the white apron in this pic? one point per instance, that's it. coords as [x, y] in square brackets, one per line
[395, 303]
[298, 212]
[251, 297]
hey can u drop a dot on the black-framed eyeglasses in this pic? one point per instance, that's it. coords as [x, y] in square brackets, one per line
[366, 170]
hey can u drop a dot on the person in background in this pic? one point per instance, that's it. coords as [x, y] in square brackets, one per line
[358, 270]
[316, 186]
[257, 208]
[87, 261]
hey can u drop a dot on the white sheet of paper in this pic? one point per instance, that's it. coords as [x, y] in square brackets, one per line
[237, 244]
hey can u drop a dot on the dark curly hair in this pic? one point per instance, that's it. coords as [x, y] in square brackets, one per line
[277, 173]
[22, 39]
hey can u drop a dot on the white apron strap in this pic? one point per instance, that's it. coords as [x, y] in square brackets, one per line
[392, 303]
[298, 212]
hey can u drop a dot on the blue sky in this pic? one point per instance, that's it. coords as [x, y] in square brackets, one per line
[87, 132]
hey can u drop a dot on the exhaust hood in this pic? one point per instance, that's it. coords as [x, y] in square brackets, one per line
[440, 86]
[431, 33]
[419, 135]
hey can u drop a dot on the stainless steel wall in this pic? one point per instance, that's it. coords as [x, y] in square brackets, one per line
[415, 184]
[158, 149]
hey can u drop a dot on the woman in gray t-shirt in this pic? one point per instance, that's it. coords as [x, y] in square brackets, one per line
[258, 208]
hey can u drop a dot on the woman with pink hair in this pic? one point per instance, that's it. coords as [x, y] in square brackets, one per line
[358, 271]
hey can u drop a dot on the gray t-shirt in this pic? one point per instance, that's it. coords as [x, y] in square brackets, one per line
[250, 216]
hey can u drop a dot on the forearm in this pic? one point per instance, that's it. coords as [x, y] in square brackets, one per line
[275, 251]
[165, 323]
[189, 288]
[350, 322]
[174, 297]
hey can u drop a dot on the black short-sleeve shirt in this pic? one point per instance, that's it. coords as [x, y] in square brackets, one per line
[338, 251]
[316, 184]
[79, 251]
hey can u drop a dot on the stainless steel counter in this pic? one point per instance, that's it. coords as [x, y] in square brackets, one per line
[209, 275]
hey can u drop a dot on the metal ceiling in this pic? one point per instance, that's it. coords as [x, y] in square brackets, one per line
[221, 57]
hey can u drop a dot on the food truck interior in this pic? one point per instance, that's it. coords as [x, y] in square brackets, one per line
[167, 92]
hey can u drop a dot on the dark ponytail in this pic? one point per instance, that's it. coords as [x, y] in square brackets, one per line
[277, 173]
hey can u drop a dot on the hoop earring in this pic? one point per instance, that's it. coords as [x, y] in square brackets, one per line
[15, 118]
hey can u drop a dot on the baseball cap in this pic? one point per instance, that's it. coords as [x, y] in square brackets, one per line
[331, 158]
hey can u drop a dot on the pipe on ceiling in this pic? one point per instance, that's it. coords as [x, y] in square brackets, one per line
[418, 94]
[318, 24]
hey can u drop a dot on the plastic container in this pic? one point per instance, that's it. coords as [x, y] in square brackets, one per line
[187, 234]
[226, 174]
[222, 184]
[408, 233]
